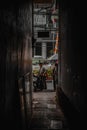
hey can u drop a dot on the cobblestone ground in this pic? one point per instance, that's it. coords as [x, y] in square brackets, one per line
[47, 115]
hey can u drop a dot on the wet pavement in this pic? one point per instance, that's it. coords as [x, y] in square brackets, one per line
[47, 114]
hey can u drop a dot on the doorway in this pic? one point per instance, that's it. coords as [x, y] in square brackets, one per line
[47, 113]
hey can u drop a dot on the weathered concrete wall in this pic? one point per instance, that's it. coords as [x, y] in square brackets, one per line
[15, 58]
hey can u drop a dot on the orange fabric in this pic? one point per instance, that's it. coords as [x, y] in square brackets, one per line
[56, 45]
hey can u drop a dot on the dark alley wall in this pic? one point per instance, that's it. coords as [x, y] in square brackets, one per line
[70, 56]
[15, 59]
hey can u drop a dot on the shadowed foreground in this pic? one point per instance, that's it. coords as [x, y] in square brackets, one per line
[47, 115]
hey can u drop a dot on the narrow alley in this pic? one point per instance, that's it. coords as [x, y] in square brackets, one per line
[42, 28]
[47, 114]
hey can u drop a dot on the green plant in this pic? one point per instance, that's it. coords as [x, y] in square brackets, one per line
[49, 72]
[35, 72]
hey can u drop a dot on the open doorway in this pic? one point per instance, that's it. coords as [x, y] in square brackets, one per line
[45, 27]
[46, 113]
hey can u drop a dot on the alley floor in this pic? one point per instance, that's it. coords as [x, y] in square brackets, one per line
[47, 114]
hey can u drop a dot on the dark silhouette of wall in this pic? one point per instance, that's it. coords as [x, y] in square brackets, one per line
[15, 59]
[72, 94]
